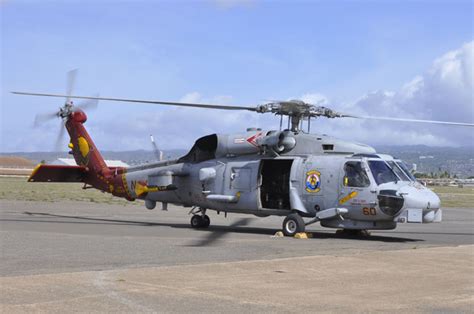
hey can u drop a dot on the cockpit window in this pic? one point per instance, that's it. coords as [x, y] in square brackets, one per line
[398, 171]
[355, 175]
[404, 167]
[382, 172]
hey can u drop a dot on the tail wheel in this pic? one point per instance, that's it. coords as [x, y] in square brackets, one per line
[196, 221]
[293, 224]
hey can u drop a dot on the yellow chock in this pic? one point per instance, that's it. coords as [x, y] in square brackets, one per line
[301, 235]
[309, 234]
[278, 234]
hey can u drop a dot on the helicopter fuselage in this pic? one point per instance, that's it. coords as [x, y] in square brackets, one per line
[312, 179]
[289, 173]
[340, 184]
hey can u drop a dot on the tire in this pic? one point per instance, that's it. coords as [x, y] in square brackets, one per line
[293, 224]
[206, 221]
[196, 221]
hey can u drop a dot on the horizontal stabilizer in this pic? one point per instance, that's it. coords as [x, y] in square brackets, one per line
[58, 173]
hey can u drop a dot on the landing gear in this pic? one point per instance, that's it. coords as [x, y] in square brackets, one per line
[196, 221]
[293, 224]
[206, 221]
[200, 221]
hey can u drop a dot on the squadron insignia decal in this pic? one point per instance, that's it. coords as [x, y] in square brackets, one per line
[313, 181]
[253, 139]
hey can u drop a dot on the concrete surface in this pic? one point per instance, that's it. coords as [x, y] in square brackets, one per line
[58, 257]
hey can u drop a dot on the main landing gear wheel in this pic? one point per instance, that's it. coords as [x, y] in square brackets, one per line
[206, 221]
[293, 224]
[198, 221]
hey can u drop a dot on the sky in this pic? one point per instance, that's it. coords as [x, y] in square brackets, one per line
[411, 59]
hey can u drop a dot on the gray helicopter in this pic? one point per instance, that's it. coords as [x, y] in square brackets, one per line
[306, 178]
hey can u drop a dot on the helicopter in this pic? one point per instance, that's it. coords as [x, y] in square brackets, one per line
[305, 178]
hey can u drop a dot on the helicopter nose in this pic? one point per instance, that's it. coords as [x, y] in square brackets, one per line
[419, 199]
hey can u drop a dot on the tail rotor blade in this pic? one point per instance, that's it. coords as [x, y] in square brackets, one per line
[90, 104]
[60, 139]
[71, 81]
[42, 118]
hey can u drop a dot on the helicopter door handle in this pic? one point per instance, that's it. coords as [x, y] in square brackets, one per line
[373, 191]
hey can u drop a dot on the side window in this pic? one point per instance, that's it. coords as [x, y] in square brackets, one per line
[355, 175]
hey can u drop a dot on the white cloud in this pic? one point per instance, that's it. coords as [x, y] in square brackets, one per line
[193, 97]
[444, 92]
[315, 98]
[175, 127]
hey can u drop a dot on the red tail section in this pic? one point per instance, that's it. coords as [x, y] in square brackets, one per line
[86, 154]
[83, 148]
[91, 168]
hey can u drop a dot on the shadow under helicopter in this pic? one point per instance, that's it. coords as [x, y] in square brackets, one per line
[216, 233]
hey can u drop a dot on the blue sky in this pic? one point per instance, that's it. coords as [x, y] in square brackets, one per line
[235, 52]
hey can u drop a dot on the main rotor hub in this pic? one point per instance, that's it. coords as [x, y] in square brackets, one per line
[297, 110]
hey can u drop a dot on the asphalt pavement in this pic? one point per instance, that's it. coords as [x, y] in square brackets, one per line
[124, 256]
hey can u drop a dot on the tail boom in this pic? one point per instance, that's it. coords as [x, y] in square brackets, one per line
[91, 168]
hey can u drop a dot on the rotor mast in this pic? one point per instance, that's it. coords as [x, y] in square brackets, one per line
[295, 123]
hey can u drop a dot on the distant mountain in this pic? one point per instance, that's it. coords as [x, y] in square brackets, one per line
[457, 161]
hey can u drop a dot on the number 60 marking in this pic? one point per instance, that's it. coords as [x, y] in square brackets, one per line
[369, 211]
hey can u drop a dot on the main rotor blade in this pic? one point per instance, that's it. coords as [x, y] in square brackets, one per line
[410, 120]
[166, 103]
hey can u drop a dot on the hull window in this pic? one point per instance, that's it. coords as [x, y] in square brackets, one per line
[274, 191]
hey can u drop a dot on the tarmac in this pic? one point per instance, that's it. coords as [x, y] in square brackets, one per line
[88, 257]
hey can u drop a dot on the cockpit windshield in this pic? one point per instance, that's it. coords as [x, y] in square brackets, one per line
[404, 167]
[355, 175]
[382, 172]
[398, 171]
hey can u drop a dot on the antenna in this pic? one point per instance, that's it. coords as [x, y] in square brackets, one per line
[158, 153]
